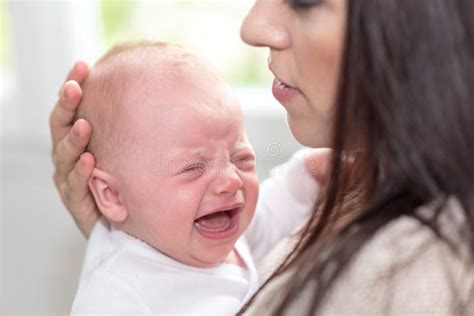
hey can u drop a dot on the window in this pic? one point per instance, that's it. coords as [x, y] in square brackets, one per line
[208, 28]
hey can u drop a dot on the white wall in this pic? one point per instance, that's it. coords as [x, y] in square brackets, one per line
[46, 38]
[41, 250]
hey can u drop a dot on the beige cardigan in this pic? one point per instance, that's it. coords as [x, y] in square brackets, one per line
[404, 270]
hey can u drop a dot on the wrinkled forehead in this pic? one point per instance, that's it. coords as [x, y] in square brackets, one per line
[192, 104]
[172, 92]
[212, 106]
[192, 125]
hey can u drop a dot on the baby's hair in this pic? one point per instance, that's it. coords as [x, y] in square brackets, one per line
[122, 69]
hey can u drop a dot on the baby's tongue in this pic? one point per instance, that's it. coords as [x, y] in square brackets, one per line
[213, 223]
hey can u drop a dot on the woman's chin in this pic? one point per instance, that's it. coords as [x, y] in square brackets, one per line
[307, 136]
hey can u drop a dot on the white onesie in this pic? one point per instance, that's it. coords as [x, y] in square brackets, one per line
[123, 275]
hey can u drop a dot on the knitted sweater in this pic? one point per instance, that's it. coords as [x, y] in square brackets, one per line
[405, 269]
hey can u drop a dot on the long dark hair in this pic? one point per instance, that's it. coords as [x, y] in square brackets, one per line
[407, 97]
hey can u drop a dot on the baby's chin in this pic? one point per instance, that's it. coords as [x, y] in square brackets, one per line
[211, 260]
[212, 257]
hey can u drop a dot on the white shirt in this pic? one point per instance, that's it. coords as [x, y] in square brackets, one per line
[123, 275]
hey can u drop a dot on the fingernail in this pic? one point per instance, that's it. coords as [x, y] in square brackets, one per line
[65, 92]
[75, 130]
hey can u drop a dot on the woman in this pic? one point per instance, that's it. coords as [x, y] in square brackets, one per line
[389, 80]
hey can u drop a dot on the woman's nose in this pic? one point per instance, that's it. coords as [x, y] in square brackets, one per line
[227, 181]
[264, 25]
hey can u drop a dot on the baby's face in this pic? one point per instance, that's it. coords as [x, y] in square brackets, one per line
[190, 186]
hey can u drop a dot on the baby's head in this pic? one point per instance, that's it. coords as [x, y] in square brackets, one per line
[174, 167]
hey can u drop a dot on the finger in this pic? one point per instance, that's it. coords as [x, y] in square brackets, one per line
[69, 97]
[78, 197]
[79, 176]
[70, 148]
[318, 164]
[78, 73]
[62, 116]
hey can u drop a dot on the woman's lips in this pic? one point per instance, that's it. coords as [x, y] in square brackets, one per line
[283, 92]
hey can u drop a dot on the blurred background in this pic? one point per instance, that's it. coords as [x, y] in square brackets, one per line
[41, 249]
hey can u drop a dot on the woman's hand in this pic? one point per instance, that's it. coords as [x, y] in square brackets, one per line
[318, 164]
[73, 166]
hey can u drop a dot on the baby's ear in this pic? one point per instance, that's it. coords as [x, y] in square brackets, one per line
[106, 198]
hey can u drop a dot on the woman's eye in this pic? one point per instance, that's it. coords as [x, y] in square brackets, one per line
[304, 4]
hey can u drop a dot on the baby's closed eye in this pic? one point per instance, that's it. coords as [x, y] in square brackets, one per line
[245, 162]
[194, 171]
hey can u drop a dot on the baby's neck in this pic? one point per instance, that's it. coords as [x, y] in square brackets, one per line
[234, 258]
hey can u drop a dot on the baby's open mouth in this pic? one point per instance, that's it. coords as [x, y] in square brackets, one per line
[218, 225]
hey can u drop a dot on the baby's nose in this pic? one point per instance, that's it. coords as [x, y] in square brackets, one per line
[227, 180]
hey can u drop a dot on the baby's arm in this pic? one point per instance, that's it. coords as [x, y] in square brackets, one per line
[286, 198]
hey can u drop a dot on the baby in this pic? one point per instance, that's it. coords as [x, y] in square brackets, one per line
[175, 181]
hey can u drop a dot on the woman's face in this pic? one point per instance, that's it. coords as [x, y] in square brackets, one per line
[306, 39]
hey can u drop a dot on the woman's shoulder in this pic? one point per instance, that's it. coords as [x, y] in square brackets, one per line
[405, 269]
[408, 268]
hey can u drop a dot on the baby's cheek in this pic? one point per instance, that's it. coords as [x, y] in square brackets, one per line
[254, 186]
[185, 206]
[251, 193]
[168, 229]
